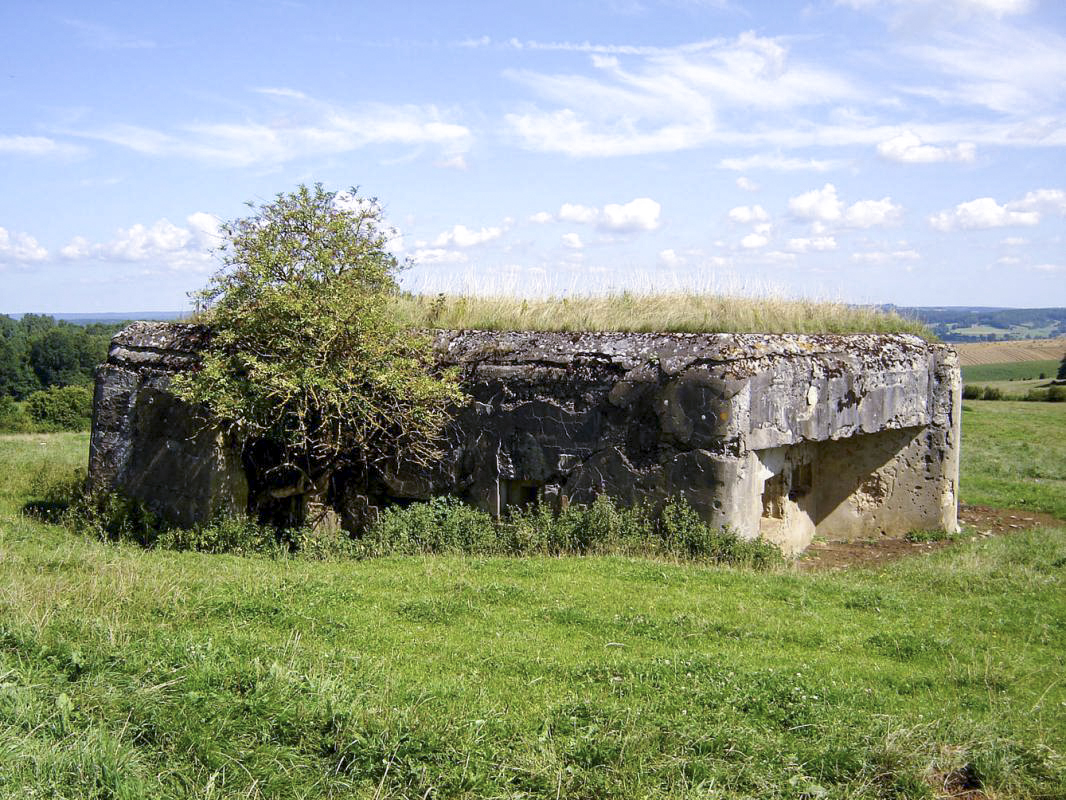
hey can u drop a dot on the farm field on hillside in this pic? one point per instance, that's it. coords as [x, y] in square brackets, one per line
[131, 673]
[1002, 352]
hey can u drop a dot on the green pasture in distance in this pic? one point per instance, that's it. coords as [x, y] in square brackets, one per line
[1012, 371]
[127, 673]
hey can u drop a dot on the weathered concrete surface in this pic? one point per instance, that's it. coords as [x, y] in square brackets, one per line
[783, 435]
[152, 446]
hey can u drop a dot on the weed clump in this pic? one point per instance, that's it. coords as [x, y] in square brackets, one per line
[441, 526]
[446, 525]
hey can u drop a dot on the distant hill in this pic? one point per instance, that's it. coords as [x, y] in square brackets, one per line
[109, 317]
[987, 324]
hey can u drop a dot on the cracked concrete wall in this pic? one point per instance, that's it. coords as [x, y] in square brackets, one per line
[725, 420]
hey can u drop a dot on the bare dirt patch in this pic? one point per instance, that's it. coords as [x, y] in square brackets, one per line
[971, 353]
[976, 521]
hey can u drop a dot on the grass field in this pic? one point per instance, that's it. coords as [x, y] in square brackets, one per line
[127, 673]
[1014, 455]
[685, 312]
[1010, 371]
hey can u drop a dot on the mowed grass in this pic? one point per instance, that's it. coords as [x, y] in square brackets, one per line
[1014, 455]
[684, 312]
[129, 673]
[1011, 371]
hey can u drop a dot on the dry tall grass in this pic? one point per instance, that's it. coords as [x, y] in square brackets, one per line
[680, 312]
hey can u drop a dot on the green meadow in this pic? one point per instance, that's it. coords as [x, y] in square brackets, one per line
[130, 673]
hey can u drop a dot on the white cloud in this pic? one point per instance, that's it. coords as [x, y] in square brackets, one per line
[461, 236]
[641, 214]
[872, 213]
[981, 214]
[825, 208]
[818, 204]
[159, 244]
[886, 257]
[753, 241]
[778, 163]
[573, 241]
[1049, 267]
[541, 217]
[670, 258]
[908, 148]
[454, 162]
[302, 127]
[1014, 241]
[36, 146]
[1053, 200]
[19, 248]
[747, 184]
[439, 256]
[78, 248]
[819, 244]
[571, 212]
[748, 214]
[1008, 260]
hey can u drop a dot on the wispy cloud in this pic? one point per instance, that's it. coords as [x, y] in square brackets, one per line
[37, 146]
[669, 99]
[779, 163]
[103, 37]
[302, 127]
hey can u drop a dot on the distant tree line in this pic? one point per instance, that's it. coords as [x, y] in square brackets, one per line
[46, 371]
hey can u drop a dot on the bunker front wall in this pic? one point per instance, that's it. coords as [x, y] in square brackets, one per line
[783, 436]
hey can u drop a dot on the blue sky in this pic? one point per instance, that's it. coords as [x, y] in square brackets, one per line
[905, 151]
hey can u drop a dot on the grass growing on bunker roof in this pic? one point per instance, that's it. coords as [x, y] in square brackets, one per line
[675, 312]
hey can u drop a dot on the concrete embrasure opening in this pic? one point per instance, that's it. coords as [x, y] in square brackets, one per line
[522, 494]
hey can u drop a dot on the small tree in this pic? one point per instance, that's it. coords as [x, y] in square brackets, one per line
[306, 366]
[1062, 369]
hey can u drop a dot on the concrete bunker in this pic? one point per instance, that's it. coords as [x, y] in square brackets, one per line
[783, 436]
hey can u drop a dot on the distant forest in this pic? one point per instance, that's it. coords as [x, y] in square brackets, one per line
[38, 352]
[975, 324]
[46, 371]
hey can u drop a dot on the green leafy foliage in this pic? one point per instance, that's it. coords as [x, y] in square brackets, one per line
[66, 408]
[306, 356]
[36, 352]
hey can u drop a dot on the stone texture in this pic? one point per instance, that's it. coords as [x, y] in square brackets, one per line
[783, 435]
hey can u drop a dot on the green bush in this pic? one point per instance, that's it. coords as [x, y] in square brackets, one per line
[991, 393]
[67, 408]
[13, 418]
[971, 392]
[442, 525]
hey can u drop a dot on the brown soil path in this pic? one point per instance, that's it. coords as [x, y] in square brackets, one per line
[977, 521]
